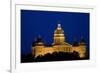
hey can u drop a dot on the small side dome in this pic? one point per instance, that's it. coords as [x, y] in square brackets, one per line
[75, 43]
[82, 41]
[38, 42]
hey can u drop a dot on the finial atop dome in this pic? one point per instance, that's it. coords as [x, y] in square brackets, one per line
[59, 26]
[59, 30]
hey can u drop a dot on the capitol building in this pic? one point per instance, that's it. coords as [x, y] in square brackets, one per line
[59, 45]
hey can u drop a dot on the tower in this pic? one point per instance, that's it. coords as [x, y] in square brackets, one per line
[82, 46]
[37, 48]
[59, 37]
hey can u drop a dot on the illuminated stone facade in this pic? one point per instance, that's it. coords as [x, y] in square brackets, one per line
[59, 45]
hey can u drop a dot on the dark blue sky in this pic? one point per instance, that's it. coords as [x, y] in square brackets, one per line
[43, 23]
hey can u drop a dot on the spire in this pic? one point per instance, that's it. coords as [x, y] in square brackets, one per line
[39, 39]
[82, 41]
[39, 36]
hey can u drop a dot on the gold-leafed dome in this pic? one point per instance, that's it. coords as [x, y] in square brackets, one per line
[59, 30]
[59, 37]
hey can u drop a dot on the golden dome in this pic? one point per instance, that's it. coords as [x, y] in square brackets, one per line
[59, 30]
[59, 37]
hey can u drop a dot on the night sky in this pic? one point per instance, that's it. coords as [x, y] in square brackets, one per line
[43, 23]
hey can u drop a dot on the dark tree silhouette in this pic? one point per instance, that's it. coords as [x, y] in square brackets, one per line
[56, 56]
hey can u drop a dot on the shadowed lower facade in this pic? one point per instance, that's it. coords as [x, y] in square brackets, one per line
[59, 45]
